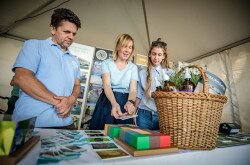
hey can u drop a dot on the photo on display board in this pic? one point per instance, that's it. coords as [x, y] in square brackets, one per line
[76, 109]
[82, 91]
[83, 63]
[97, 68]
[141, 60]
[89, 109]
[102, 54]
[94, 93]
[86, 119]
[75, 121]
[95, 79]
[83, 76]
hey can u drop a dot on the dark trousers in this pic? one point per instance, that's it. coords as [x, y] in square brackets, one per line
[11, 105]
[102, 112]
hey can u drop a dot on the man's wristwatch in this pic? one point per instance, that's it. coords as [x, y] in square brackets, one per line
[132, 101]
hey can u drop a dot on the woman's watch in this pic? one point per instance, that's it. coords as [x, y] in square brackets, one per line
[132, 101]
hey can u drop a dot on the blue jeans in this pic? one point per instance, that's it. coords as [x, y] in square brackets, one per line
[147, 119]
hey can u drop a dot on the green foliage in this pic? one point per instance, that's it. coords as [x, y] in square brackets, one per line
[195, 78]
[177, 79]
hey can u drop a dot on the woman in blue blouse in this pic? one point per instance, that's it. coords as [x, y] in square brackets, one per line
[157, 61]
[119, 77]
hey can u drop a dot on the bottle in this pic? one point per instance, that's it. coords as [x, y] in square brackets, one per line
[158, 84]
[168, 85]
[187, 85]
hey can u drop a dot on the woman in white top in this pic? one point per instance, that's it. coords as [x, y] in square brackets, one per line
[119, 77]
[157, 61]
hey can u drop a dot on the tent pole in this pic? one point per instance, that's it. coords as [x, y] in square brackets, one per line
[146, 21]
[220, 49]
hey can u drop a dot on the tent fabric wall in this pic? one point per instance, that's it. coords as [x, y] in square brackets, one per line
[9, 49]
[232, 66]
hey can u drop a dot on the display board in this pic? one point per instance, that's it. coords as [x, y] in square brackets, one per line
[141, 61]
[84, 54]
[95, 84]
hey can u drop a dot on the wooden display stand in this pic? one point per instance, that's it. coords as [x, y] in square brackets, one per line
[17, 155]
[132, 151]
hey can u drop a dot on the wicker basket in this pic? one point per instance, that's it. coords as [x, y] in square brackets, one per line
[191, 119]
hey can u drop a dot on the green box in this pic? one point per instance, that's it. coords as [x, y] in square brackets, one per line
[113, 131]
[140, 141]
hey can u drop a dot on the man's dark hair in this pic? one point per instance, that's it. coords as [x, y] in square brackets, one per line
[63, 14]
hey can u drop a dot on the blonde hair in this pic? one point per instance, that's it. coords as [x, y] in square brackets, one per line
[165, 64]
[123, 40]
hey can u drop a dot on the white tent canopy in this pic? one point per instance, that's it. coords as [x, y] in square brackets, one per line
[191, 28]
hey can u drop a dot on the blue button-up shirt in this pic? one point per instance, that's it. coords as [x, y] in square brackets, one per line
[155, 72]
[148, 104]
[55, 69]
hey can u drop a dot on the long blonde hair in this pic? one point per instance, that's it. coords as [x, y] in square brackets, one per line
[160, 44]
[123, 40]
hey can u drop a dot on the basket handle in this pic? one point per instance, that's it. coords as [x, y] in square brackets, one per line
[203, 75]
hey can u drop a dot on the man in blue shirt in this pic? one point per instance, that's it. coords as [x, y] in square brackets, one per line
[48, 75]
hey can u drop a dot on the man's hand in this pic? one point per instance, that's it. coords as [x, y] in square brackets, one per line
[64, 107]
